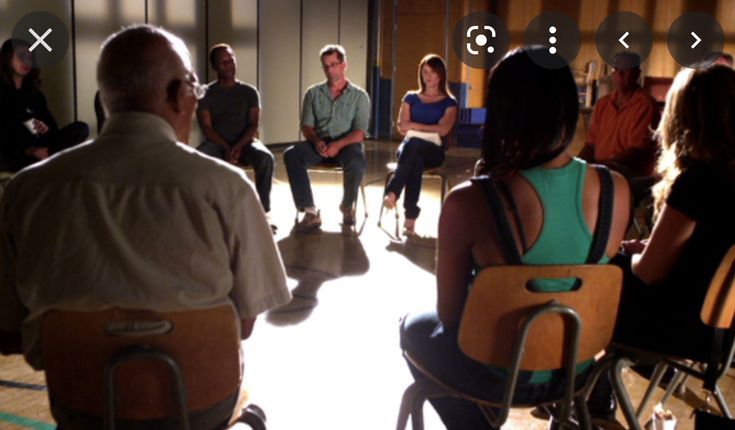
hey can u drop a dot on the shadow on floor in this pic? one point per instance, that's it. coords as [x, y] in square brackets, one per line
[420, 250]
[313, 259]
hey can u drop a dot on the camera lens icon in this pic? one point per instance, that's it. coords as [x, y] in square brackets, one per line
[481, 39]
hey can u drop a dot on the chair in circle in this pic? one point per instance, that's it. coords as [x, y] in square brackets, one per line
[507, 324]
[124, 368]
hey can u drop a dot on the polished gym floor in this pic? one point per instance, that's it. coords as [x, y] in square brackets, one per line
[330, 359]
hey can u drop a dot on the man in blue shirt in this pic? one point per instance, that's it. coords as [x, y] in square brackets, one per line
[334, 120]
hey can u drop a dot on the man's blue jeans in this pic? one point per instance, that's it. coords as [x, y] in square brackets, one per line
[257, 155]
[302, 155]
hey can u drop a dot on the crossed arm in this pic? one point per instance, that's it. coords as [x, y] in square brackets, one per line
[445, 125]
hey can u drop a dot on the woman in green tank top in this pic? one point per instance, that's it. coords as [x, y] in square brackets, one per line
[531, 119]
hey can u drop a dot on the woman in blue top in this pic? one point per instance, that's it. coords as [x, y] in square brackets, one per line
[425, 119]
[531, 118]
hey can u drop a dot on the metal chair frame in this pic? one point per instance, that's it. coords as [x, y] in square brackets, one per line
[571, 329]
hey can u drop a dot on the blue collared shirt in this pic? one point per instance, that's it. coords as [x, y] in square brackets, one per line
[333, 119]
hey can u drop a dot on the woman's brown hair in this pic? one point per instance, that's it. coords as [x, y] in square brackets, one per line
[697, 126]
[438, 65]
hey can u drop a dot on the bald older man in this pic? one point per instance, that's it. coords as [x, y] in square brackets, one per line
[136, 218]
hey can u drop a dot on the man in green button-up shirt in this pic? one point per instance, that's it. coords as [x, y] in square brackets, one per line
[334, 120]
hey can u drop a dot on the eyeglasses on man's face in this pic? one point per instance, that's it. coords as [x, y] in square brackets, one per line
[331, 65]
[197, 89]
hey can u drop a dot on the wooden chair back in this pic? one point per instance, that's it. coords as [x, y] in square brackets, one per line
[501, 297]
[77, 346]
[718, 309]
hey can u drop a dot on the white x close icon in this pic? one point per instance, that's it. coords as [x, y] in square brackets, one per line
[39, 39]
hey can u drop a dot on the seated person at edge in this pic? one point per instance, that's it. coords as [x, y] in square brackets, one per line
[229, 115]
[426, 117]
[557, 199]
[695, 208]
[620, 133]
[719, 57]
[334, 120]
[29, 131]
[136, 218]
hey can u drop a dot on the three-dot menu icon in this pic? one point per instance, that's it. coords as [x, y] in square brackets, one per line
[559, 34]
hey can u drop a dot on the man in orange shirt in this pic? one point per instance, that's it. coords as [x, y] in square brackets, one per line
[620, 134]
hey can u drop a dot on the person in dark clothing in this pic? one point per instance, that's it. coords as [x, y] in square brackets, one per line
[558, 194]
[29, 131]
[669, 274]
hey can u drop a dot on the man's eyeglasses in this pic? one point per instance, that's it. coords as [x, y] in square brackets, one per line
[330, 66]
[197, 89]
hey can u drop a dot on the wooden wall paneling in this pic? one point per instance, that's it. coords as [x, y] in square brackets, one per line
[186, 19]
[418, 35]
[386, 38]
[279, 26]
[320, 20]
[354, 37]
[421, 7]
[95, 21]
[726, 17]
[235, 22]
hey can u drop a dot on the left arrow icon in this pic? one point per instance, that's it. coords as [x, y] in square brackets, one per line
[622, 40]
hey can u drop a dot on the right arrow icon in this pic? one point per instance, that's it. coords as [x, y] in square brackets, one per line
[694, 35]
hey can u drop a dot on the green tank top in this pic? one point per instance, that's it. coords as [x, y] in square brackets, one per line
[565, 237]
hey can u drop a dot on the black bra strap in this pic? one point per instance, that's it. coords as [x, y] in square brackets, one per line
[508, 246]
[507, 242]
[604, 215]
[514, 211]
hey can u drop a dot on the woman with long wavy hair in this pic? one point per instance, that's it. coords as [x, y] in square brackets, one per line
[694, 210]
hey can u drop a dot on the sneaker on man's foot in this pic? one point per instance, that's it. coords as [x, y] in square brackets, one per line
[273, 226]
[310, 222]
[348, 214]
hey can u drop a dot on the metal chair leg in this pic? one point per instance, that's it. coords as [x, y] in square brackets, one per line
[622, 395]
[364, 200]
[583, 414]
[673, 384]
[410, 398]
[721, 402]
[445, 187]
[417, 412]
[388, 177]
[413, 400]
[658, 373]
